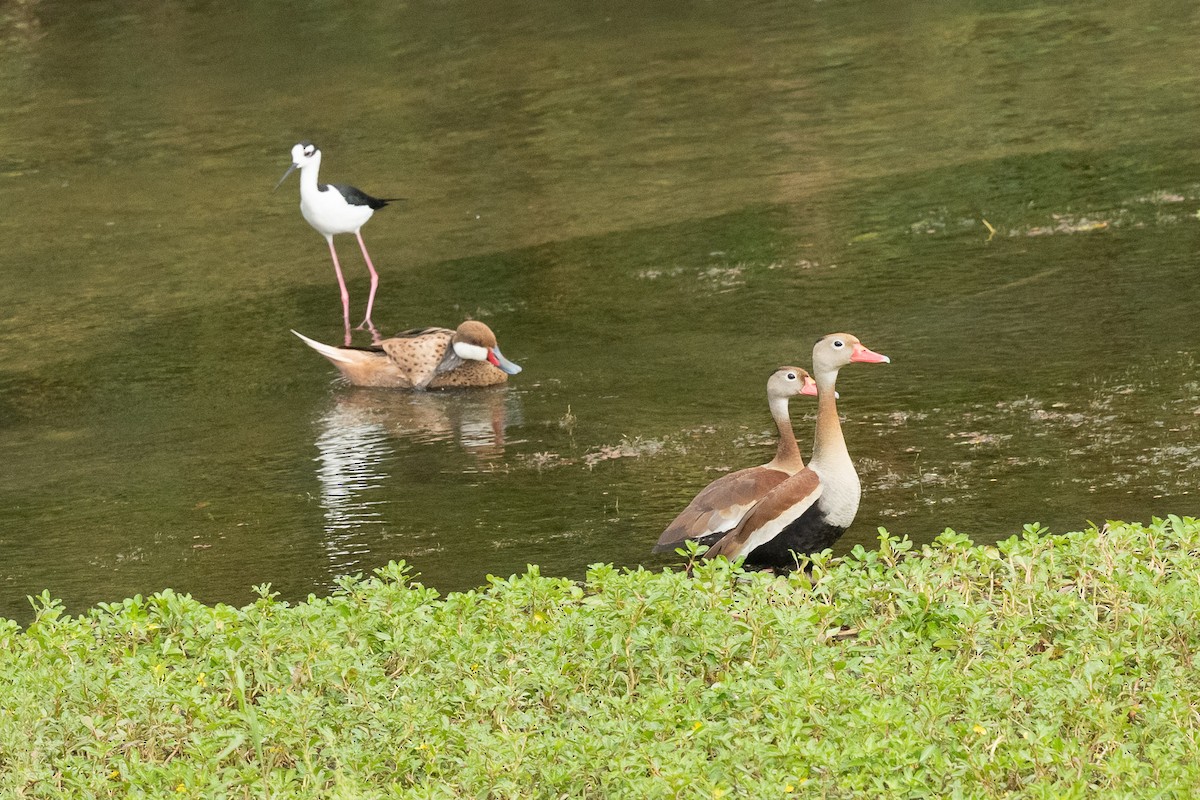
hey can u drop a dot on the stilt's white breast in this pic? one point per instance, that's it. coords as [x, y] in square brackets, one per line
[329, 212]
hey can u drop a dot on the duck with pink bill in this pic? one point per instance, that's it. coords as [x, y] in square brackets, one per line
[810, 510]
[719, 507]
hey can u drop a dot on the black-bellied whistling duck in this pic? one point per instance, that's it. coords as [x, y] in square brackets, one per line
[425, 358]
[721, 504]
[809, 511]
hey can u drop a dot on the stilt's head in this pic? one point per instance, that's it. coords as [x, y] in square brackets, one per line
[475, 341]
[303, 154]
[790, 381]
[836, 350]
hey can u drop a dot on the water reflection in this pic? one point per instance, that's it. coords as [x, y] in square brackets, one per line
[354, 450]
[366, 433]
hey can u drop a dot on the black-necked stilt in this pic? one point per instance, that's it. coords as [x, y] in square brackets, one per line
[334, 208]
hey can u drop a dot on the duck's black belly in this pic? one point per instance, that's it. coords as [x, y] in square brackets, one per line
[708, 540]
[809, 533]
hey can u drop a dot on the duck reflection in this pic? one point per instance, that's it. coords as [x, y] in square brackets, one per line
[361, 442]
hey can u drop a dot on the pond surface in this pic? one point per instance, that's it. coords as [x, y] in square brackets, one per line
[654, 205]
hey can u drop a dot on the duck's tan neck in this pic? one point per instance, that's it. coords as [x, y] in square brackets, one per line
[829, 447]
[787, 452]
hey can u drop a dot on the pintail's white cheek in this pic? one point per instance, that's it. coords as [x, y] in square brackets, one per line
[470, 352]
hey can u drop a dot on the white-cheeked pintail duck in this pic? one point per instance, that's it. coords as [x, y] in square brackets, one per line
[424, 358]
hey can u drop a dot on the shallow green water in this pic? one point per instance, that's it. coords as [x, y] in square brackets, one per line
[653, 207]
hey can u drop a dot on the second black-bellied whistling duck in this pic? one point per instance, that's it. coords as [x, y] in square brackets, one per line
[721, 504]
[809, 511]
[424, 358]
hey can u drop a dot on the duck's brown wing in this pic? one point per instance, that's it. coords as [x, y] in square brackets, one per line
[780, 507]
[720, 506]
[417, 353]
[412, 333]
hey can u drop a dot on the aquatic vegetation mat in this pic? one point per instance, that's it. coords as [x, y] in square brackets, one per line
[1044, 666]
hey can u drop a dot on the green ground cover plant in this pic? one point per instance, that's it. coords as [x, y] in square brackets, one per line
[1044, 666]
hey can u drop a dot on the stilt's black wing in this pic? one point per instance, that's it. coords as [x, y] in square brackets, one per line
[357, 197]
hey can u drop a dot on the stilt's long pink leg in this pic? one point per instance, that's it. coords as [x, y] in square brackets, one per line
[366, 323]
[342, 286]
[375, 337]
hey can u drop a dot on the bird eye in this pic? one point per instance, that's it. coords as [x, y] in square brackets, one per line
[308, 151]
[791, 376]
[838, 343]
